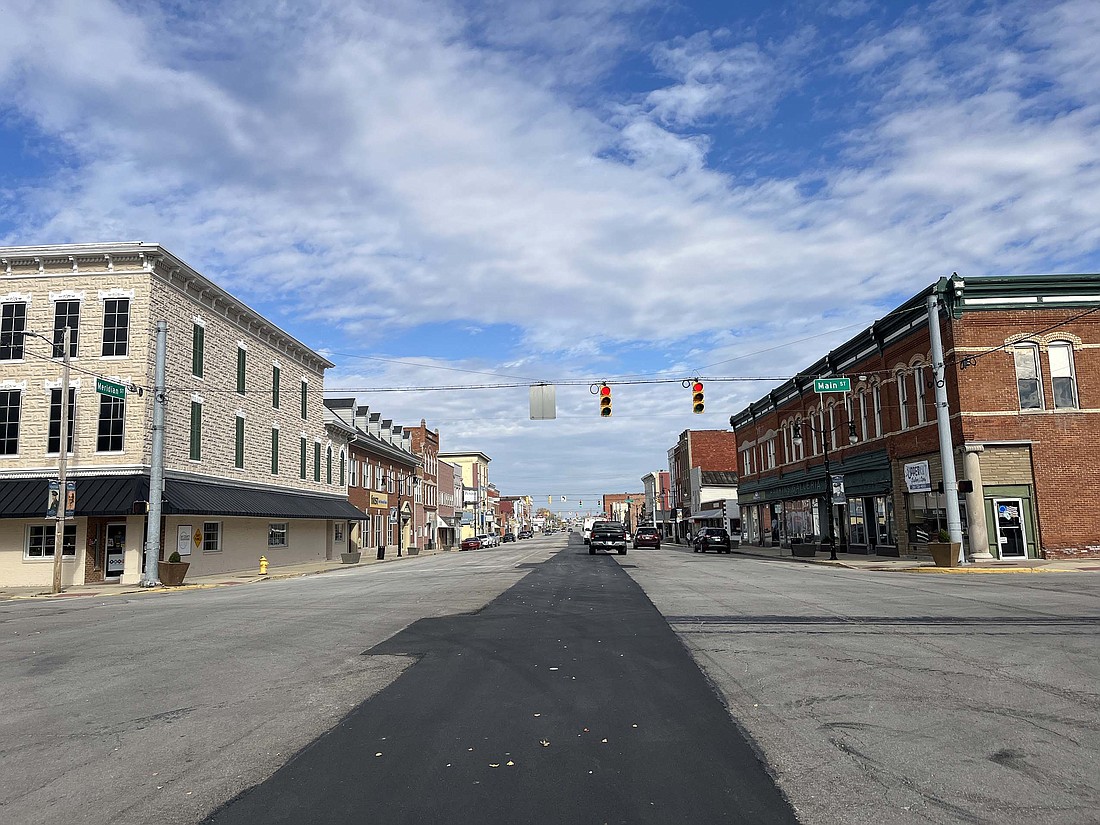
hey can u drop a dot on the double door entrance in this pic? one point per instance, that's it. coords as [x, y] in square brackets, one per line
[106, 555]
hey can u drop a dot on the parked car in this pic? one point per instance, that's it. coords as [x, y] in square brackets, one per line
[509, 536]
[712, 538]
[647, 537]
[526, 533]
[487, 540]
[472, 543]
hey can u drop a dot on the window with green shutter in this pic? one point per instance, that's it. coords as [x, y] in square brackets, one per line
[275, 375]
[305, 410]
[240, 369]
[238, 454]
[274, 451]
[198, 343]
[328, 466]
[302, 461]
[196, 431]
[316, 461]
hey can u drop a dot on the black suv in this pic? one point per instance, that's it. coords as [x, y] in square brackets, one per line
[712, 538]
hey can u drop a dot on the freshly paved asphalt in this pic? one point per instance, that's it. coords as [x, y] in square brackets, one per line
[566, 699]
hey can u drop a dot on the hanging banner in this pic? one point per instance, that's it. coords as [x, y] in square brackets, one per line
[837, 484]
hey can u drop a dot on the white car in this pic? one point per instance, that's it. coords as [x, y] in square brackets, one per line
[489, 540]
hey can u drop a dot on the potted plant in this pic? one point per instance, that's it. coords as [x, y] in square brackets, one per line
[350, 557]
[171, 572]
[945, 553]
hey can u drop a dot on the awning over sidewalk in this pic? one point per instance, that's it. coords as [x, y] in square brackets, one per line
[116, 495]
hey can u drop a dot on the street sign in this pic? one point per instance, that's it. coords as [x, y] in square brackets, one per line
[832, 385]
[543, 402]
[111, 388]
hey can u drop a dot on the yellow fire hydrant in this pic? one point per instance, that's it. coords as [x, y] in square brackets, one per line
[263, 565]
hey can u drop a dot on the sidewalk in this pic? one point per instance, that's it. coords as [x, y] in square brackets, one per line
[921, 564]
[289, 571]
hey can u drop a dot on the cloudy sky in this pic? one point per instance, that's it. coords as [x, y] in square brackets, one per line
[500, 192]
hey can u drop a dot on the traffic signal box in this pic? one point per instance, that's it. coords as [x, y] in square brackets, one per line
[697, 402]
[605, 401]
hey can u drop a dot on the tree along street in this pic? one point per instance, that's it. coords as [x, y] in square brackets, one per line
[874, 697]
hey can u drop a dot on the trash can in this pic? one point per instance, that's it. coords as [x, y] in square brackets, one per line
[381, 552]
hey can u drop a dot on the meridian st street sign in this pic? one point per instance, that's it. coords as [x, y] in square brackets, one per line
[832, 385]
[105, 387]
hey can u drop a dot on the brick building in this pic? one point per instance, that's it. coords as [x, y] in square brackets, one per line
[425, 444]
[1023, 386]
[383, 478]
[449, 481]
[251, 468]
[709, 450]
[624, 507]
[473, 468]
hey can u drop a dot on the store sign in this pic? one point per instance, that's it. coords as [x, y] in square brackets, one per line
[379, 501]
[917, 477]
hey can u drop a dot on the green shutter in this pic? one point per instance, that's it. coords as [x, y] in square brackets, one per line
[304, 409]
[274, 451]
[275, 373]
[198, 341]
[196, 429]
[302, 467]
[328, 466]
[240, 370]
[239, 452]
[316, 462]
[342, 476]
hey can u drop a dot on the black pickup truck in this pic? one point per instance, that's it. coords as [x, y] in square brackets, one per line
[607, 535]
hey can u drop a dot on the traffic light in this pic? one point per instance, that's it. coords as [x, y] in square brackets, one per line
[697, 403]
[605, 401]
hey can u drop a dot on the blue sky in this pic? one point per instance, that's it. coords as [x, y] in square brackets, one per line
[454, 193]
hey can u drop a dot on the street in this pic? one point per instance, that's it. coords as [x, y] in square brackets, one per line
[491, 680]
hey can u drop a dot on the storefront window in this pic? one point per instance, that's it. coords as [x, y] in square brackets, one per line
[857, 528]
[800, 517]
[884, 519]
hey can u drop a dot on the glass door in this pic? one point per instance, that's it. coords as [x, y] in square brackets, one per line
[115, 547]
[1010, 528]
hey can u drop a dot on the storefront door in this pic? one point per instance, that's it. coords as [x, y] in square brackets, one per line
[1010, 528]
[115, 550]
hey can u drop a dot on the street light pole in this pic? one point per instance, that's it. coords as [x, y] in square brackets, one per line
[825, 438]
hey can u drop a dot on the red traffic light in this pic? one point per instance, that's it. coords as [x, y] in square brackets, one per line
[605, 390]
[697, 386]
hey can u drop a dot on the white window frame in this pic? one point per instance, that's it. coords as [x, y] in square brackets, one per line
[903, 400]
[49, 533]
[1033, 348]
[1067, 347]
[275, 529]
[863, 415]
[218, 536]
[919, 386]
[876, 397]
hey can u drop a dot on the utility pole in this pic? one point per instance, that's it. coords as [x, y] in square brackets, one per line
[943, 424]
[62, 458]
[156, 463]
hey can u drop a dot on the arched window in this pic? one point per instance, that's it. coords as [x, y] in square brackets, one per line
[903, 399]
[1029, 381]
[328, 466]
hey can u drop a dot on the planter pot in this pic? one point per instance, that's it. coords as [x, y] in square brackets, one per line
[805, 551]
[944, 553]
[350, 558]
[171, 573]
[413, 551]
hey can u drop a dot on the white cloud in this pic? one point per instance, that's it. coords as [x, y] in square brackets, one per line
[354, 168]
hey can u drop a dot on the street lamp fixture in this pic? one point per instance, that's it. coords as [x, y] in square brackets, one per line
[852, 439]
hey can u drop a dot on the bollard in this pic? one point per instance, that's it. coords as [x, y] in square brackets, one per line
[263, 565]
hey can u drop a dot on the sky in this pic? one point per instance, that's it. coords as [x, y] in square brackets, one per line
[471, 194]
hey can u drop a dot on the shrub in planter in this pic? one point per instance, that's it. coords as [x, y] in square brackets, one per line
[171, 572]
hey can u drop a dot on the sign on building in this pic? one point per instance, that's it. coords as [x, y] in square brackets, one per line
[917, 477]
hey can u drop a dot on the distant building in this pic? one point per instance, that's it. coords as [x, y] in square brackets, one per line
[624, 507]
[709, 450]
[657, 500]
[473, 467]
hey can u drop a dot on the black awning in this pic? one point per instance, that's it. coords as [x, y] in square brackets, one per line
[116, 495]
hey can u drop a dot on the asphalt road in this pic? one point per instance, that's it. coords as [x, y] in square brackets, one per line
[872, 697]
[566, 699]
[897, 697]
